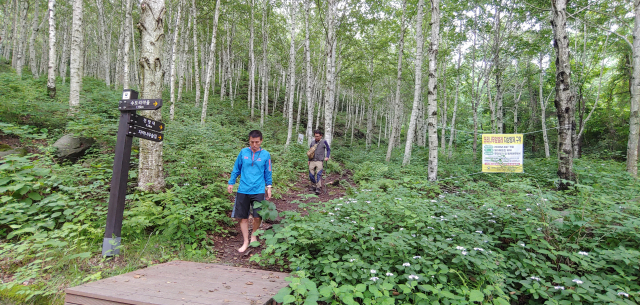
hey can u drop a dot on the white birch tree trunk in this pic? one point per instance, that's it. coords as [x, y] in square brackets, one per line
[252, 63]
[565, 101]
[417, 90]
[329, 94]
[307, 62]
[265, 72]
[634, 117]
[23, 30]
[51, 71]
[443, 145]
[543, 108]
[212, 51]
[292, 71]
[432, 93]
[127, 44]
[370, 118]
[452, 133]
[32, 40]
[104, 41]
[151, 26]
[174, 54]
[196, 65]
[396, 105]
[77, 56]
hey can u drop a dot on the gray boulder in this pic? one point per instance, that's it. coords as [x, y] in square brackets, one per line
[16, 151]
[71, 147]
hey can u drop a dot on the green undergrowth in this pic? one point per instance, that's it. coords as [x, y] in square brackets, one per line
[52, 213]
[473, 238]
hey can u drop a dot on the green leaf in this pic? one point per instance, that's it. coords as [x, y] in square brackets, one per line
[476, 296]
[288, 299]
[279, 297]
[34, 196]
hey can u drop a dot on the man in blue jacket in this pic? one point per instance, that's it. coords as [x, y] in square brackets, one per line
[253, 165]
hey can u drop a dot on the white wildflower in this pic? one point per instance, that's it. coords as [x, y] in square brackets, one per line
[583, 253]
[478, 249]
[430, 228]
[331, 214]
[417, 257]
[373, 271]
[351, 260]
[559, 287]
[464, 252]
[521, 244]
[489, 209]
[406, 265]
[398, 198]
[337, 209]
[375, 278]
[455, 216]
[433, 201]
[622, 293]
[449, 238]
[479, 232]
[368, 201]
[339, 204]
[346, 217]
[413, 235]
[492, 221]
[535, 278]
[577, 281]
[401, 229]
[331, 220]
[389, 274]
[509, 205]
[528, 209]
[372, 228]
[353, 222]
[413, 277]
[459, 248]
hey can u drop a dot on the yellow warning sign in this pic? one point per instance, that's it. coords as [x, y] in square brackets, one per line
[502, 153]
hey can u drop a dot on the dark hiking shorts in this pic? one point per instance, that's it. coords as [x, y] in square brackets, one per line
[244, 204]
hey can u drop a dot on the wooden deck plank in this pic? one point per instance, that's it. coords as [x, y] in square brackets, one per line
[181, 282]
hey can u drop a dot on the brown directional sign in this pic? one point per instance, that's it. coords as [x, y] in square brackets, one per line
[145, 134]
[126, 105]
[143, 122]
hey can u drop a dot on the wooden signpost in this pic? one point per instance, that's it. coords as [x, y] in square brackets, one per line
[131, 125]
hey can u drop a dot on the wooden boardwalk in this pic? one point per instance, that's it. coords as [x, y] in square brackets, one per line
[181, 282]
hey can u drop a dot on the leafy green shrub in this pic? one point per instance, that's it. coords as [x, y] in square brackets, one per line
[370, 171]
[518, 243]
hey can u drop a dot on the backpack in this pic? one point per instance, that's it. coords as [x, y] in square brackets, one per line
[312, 151]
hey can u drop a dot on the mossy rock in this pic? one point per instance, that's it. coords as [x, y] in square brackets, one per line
[17, 151]
[4, 147]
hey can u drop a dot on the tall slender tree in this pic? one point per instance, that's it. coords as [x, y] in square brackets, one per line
[432, 94]
[174, 54]
[634, 117]
[396, 104]
[51, 71]
[565, 100]
[212, 50]
[292, 71]
[151, 26]
[77, 56]
[417, 90]
[196, 65]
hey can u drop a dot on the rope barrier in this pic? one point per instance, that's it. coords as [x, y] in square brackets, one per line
[482, 131]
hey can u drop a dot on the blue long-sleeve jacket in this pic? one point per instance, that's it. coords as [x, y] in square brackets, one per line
[254, 170]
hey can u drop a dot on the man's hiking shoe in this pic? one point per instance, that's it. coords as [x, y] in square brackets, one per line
[318, 191]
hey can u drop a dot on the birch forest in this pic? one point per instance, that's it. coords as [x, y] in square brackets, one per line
[402, 91]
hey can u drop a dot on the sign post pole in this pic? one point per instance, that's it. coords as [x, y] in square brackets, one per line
[118, 192]
[130, 125]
